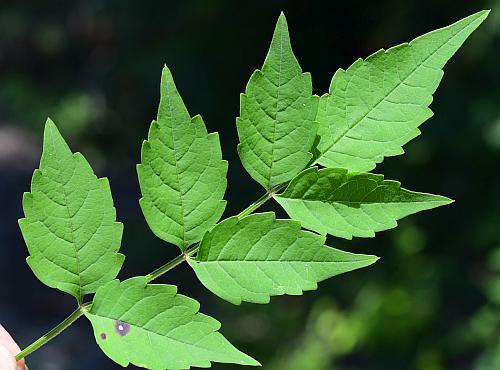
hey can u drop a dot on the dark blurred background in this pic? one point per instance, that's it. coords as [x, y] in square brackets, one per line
[431, 303]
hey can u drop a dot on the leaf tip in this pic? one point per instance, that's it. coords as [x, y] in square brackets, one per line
[49, 121]
[165, 69]
[120, 257]
[444, 201]
[167, 79]
[484, 13]
[50, 126]
[248, 360]
[481, 16]
[53, 140]
[253, 362]
[368, 259]
[282, 23]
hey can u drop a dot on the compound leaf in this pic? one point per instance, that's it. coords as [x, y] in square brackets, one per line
[258, 256]
[377, 104]
[277, 124]
[70, 223]
[345, 204]
[182, 174]
[154, 327]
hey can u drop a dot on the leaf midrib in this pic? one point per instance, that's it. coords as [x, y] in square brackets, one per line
[174, 139]
[73, 230]
[360, 203]
[276, 108]
[280, 261]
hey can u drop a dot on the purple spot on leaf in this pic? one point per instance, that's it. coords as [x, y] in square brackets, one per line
[122, 328]
[103, 336]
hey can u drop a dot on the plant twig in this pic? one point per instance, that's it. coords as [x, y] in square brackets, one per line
[259, 202]
[54, 332]
[172, 263]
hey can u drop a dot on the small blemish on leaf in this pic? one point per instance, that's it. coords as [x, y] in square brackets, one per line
[103, 336]
[122, 328]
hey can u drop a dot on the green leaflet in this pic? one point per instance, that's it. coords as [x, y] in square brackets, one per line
[182, 174]
[346, 204]
[69, 225]
[253, 258]
[377, 104]
[277, 124]
[154, 327]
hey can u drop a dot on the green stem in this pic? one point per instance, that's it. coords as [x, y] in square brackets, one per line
[252, 207]
[172, 263]
[54, 332]
[259, 202]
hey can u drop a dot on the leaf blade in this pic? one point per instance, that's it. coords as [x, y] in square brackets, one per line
[256, 257]
[345, 204]
[182, 175]
[376, 105]
[277, 124]
[70, 224]
[160, 329]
